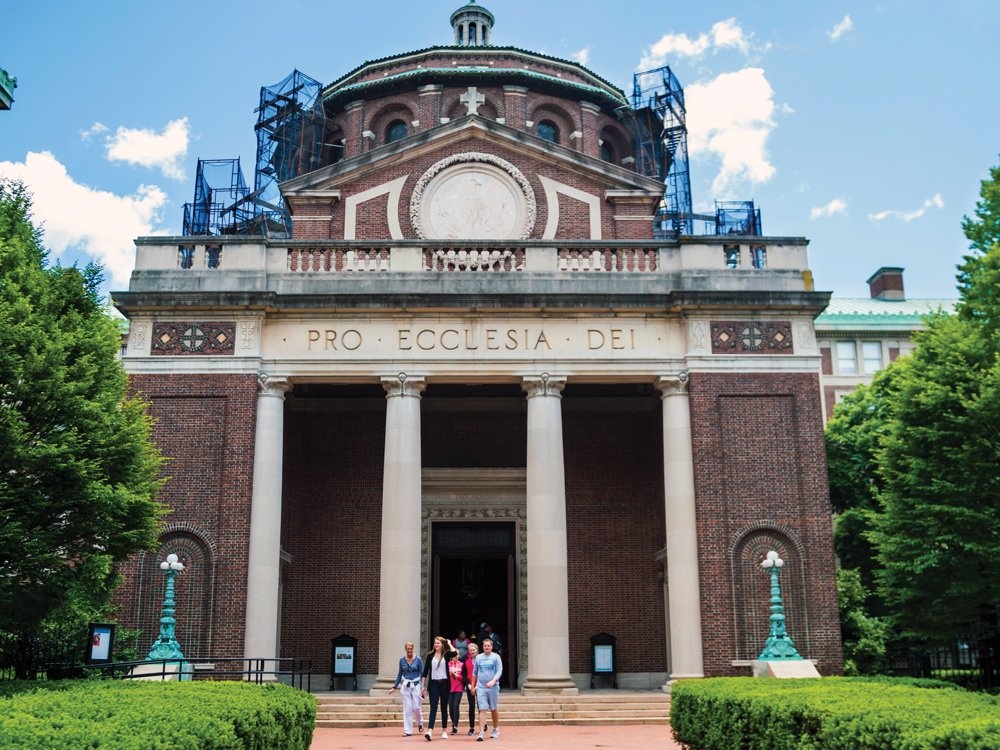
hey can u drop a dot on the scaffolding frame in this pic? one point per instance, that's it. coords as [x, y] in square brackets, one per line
[291, 130]
[219, 206]
[659, 125]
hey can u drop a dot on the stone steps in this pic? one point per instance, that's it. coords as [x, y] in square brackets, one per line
[358, 711]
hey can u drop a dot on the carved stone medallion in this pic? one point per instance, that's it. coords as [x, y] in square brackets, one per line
[473, 196]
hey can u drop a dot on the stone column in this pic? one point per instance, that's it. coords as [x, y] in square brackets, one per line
[399, 584]
[685, 647]
[263, 567]
[548, 588]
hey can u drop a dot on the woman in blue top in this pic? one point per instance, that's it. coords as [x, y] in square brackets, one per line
[411, 668]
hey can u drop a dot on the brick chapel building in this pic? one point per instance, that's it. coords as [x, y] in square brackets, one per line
[471, 385]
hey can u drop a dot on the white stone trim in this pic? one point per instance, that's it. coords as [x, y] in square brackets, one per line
[552, 191]
[394, 188]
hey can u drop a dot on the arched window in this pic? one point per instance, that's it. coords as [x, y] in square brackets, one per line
[472, 35]
[547, 131]
[606, 153]
[397, 129]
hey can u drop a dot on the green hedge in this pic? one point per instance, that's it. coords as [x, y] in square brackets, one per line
[158, 716]
[832, 714]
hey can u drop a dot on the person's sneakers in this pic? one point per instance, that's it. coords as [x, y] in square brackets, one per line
[495, 733]
[420, 728]
[427, 736]
[480, 737]
[454, 730]
[472, 732]
[444, 734]
[407, 734]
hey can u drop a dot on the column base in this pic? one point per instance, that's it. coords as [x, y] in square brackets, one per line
[549, 686]
[381, 686]
[675, 677]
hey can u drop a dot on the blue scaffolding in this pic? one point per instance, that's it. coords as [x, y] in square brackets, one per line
[659, 125]
[291, 130]
[219, 206]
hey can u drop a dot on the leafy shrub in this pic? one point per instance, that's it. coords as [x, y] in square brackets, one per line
[832, 714]
[158, 716]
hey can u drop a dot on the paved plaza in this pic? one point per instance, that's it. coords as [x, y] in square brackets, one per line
[553, 737]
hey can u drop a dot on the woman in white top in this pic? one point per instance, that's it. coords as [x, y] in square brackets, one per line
[436, 683]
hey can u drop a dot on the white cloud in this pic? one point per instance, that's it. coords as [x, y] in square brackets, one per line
[836, 206]
[76, 217]
[731, 118]
[845, 25]
[96, 129]
[907, 216]
[581, 56]
[722, 34]
[147, 148]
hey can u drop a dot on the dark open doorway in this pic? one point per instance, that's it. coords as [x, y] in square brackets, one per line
[474, 581]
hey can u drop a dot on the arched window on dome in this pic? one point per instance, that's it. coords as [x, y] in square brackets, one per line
[607, 154]
[547, 131]
[397, 129]
[472, 35]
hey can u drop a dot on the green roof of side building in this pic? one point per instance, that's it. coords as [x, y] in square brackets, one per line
[848, 313]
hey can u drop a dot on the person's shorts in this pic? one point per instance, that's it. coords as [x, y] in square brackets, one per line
[486, 698]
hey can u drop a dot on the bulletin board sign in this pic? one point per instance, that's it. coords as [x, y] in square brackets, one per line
[100, 643]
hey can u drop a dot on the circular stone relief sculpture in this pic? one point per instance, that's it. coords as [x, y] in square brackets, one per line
[473, 196]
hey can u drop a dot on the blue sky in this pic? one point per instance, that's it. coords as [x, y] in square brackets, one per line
[865, 127]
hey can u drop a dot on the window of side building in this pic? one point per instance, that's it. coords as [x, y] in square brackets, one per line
[847, 358]
[871, 356]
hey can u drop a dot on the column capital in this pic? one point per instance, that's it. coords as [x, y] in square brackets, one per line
[543, 385]
[273, 385]
[402, 385]
[673, 385]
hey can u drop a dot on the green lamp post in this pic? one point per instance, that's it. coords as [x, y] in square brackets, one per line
[166, 646]
[779, 643]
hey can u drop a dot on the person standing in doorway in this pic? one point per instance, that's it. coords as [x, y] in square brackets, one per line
[470, 667]
[488, 670]
[411, 669]
[461, 644]
[436, 683]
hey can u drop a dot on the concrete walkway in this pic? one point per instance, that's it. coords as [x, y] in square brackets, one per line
[558, 737]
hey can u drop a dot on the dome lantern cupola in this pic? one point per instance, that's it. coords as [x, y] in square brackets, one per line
[473, 25]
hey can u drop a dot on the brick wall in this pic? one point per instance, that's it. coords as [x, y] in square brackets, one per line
[760, 469]
[332, 528]
[204, 425]
[615, 526]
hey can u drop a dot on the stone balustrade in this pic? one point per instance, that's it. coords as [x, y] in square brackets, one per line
[718, 256]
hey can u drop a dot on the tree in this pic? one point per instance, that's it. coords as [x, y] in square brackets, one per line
[938, 533]
[865, 636]
[78, 469]
[853, 435]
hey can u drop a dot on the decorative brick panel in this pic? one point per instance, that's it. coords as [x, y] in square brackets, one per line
[752, 337]
[179, 339]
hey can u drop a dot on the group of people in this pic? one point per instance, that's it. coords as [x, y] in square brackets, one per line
[445, 674]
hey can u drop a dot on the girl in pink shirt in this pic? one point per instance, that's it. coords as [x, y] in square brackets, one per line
[459, 680]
